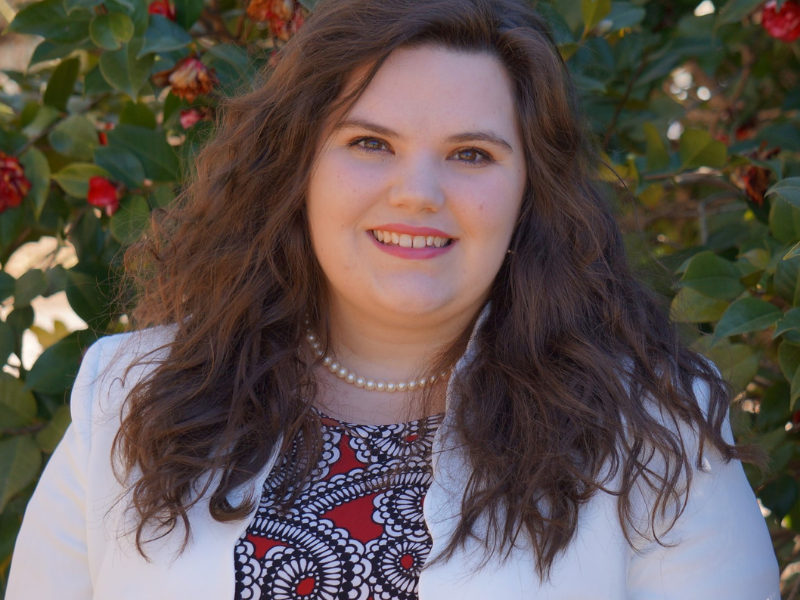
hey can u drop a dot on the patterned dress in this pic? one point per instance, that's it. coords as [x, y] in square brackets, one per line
[352, 535]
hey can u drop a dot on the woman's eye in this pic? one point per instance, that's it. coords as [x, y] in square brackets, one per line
[475, 156]
[368, 144]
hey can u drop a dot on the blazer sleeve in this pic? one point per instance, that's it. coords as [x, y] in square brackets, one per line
[722, 548]
[50, 559]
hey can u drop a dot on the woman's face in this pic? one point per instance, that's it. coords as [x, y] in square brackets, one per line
[413, 201]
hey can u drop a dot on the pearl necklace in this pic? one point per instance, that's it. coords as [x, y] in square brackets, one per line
[369, 384]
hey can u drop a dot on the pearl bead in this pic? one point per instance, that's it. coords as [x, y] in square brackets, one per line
[369, 384]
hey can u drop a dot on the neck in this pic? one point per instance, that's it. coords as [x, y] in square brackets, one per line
[390, 351]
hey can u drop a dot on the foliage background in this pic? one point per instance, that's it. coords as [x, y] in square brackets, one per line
[695, 105]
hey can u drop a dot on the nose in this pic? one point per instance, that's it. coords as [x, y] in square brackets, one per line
[417, 185]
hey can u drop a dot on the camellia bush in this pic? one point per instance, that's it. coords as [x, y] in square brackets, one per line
[694, 105]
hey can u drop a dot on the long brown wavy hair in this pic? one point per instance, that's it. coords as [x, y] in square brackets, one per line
[542, 408]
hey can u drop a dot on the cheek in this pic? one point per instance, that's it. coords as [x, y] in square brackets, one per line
[488, 211]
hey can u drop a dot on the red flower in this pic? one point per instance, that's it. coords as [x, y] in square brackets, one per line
[784, 24]
[163, 8]
[189, 78]
[190, 116]
[14, 186]
[104, 194]
[752, 179]
[102, 134]
[285, 17]
[265, 10]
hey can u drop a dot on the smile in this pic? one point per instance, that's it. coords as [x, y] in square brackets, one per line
[404, 240]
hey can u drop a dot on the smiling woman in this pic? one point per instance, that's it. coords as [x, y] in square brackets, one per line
[388, 345]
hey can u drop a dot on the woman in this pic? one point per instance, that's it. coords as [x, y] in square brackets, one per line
[389, 347]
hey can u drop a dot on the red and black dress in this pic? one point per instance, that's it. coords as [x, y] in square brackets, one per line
[351, 536]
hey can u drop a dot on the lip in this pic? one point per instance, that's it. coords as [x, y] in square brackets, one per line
[411, 230]
[412, 253]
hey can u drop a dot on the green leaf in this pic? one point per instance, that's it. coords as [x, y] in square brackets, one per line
[625, 14]
[131, 220]
[163, 36]
[45, 116]
[61, 84]
[787, 280]
[594, 11]
[37, 170]
[746, 315]
[55, 369]
[736, 10]
[20, 463]
[89, 292]
[137, 113]
[7, 285]
[52, 433]
[123, 165]
[712, 276]
[151, 148]
[790, 321]
[75, 137]
[737, 363]
[11, 223]
[71, 5]
[187, 12]
[48, 19]
[784, 220]
[74, 178]
[111, 30]
[30, 285]
[699, 149]
[657, 153]
[690, 306]
[6, 342]
[48, 50]
[787, 189]
[124, 71]
[17, 405]
[780, 495]
[95, 84]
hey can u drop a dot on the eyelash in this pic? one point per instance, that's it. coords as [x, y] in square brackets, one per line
[487, 158]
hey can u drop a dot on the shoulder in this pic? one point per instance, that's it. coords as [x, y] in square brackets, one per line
[112, 365]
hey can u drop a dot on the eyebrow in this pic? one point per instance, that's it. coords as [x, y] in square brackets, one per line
[467, 136]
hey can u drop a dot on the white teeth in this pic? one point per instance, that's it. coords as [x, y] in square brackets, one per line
[405, 240]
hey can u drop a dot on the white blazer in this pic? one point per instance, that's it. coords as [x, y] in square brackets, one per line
[69, 548]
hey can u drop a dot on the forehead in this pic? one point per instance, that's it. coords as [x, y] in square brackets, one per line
[430, 88]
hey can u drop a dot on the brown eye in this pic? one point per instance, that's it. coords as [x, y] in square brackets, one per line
[474, 156]
[368, 144]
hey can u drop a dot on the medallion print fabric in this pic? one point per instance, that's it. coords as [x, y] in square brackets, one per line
[353, 534]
